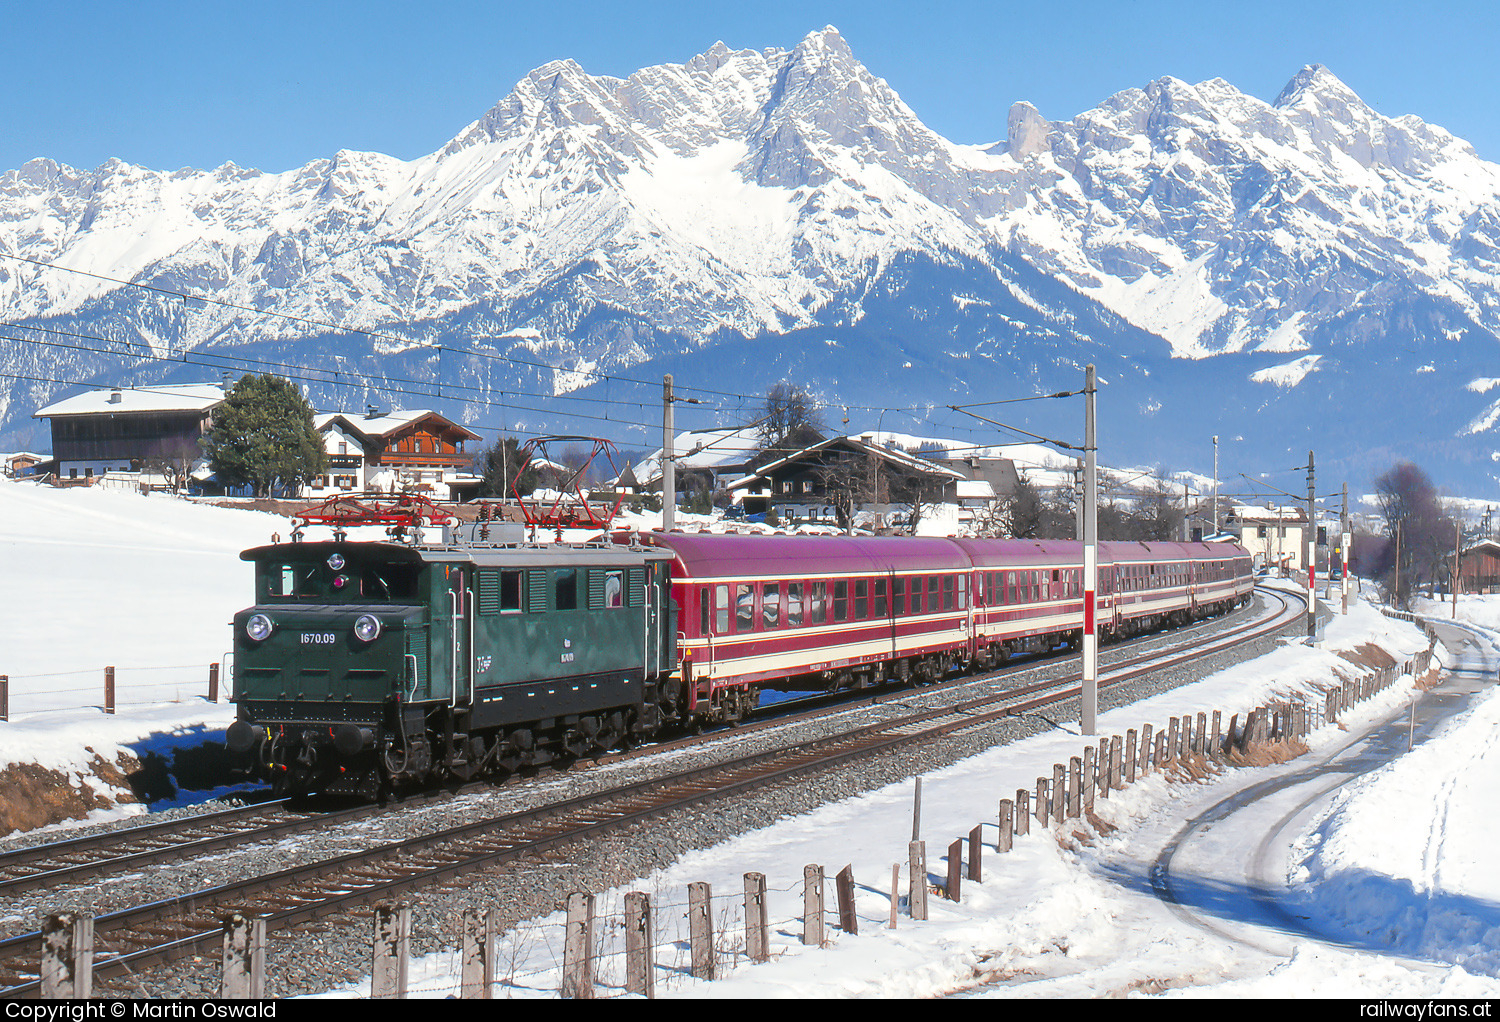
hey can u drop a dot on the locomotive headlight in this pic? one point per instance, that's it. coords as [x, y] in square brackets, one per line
[336, 562]
[258, 627]
[367, 628]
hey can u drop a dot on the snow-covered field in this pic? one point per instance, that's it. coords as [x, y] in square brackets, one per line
[1395, 859]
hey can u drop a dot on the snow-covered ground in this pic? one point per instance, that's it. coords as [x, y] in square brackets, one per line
[1394, 859]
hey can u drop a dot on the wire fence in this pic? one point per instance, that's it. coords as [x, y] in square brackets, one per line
[106, 688]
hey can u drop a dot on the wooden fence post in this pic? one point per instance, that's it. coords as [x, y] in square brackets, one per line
[1200, 739]
[701, 929]
[843, 883]
[4, 697]
[1075, 786]
[1086, 781]
[1059, 792]
[895, 891]
[917, 864]
[1127, 764]
[243, 974]
[213, 683]
[954, 890]
[757, 926]
[1043, 801]
[640, 970]
[1023, 812]
[976, 853]
[578, 947]
[67, 965]
[812, 906]
[1160, 756]
[391, 951]
[109, 690]
[1145, 750]
[1172, 738]
[1003, 842]
[1116, 763]
[1215, 747]
[476, 977]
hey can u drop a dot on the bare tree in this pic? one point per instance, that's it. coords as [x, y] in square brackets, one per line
[791, 420]
[849, 480]
[175, 461]
[1416, 525]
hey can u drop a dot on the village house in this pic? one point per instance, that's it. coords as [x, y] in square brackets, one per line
[416, 451]
[130, 429]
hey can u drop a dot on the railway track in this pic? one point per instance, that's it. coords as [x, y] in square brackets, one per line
[133, 939]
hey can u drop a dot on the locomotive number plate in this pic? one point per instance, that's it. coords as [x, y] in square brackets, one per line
[318, 638]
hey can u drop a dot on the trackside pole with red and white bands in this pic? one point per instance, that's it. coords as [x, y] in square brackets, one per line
[1090, 701]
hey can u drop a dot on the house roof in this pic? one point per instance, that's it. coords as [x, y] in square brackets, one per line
[704, 448]
[893, 455]
[191, 397]
[386, 423]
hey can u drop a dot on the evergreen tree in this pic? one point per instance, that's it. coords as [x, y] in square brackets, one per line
[263, 436]
[499, 464]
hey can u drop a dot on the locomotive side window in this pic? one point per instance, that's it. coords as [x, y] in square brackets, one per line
[705, 598]
[499, 591]
[565, 588]
[721, 610]
[614, 590]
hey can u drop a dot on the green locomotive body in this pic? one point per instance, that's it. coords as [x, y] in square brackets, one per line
[368, 666]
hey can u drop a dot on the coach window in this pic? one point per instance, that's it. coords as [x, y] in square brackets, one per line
[744, 608]
[861, 599]
[721, 610]
[947, 592]
[794, 605]
[819, 613]
[898, 597]
[841, 601]
[770, 604]
[879, 609]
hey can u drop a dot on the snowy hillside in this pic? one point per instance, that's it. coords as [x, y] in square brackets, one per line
[1300, 252]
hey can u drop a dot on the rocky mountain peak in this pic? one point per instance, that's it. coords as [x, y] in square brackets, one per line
[1025, 130]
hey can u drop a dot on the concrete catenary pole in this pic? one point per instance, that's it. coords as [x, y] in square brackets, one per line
[668, 465]
[1346, 538]
[1312, 555]
[1090, 703]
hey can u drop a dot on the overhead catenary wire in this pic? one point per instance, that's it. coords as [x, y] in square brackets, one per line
[214, 360]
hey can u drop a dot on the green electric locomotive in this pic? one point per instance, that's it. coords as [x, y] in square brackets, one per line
[366, 667]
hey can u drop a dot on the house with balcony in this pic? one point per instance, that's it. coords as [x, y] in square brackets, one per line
[416, 451]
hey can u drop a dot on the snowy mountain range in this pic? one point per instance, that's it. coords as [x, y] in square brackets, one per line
[1301, 274]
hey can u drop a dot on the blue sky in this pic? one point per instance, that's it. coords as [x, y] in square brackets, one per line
[275, 84]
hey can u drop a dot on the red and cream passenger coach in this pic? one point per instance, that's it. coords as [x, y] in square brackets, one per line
[814, 612]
